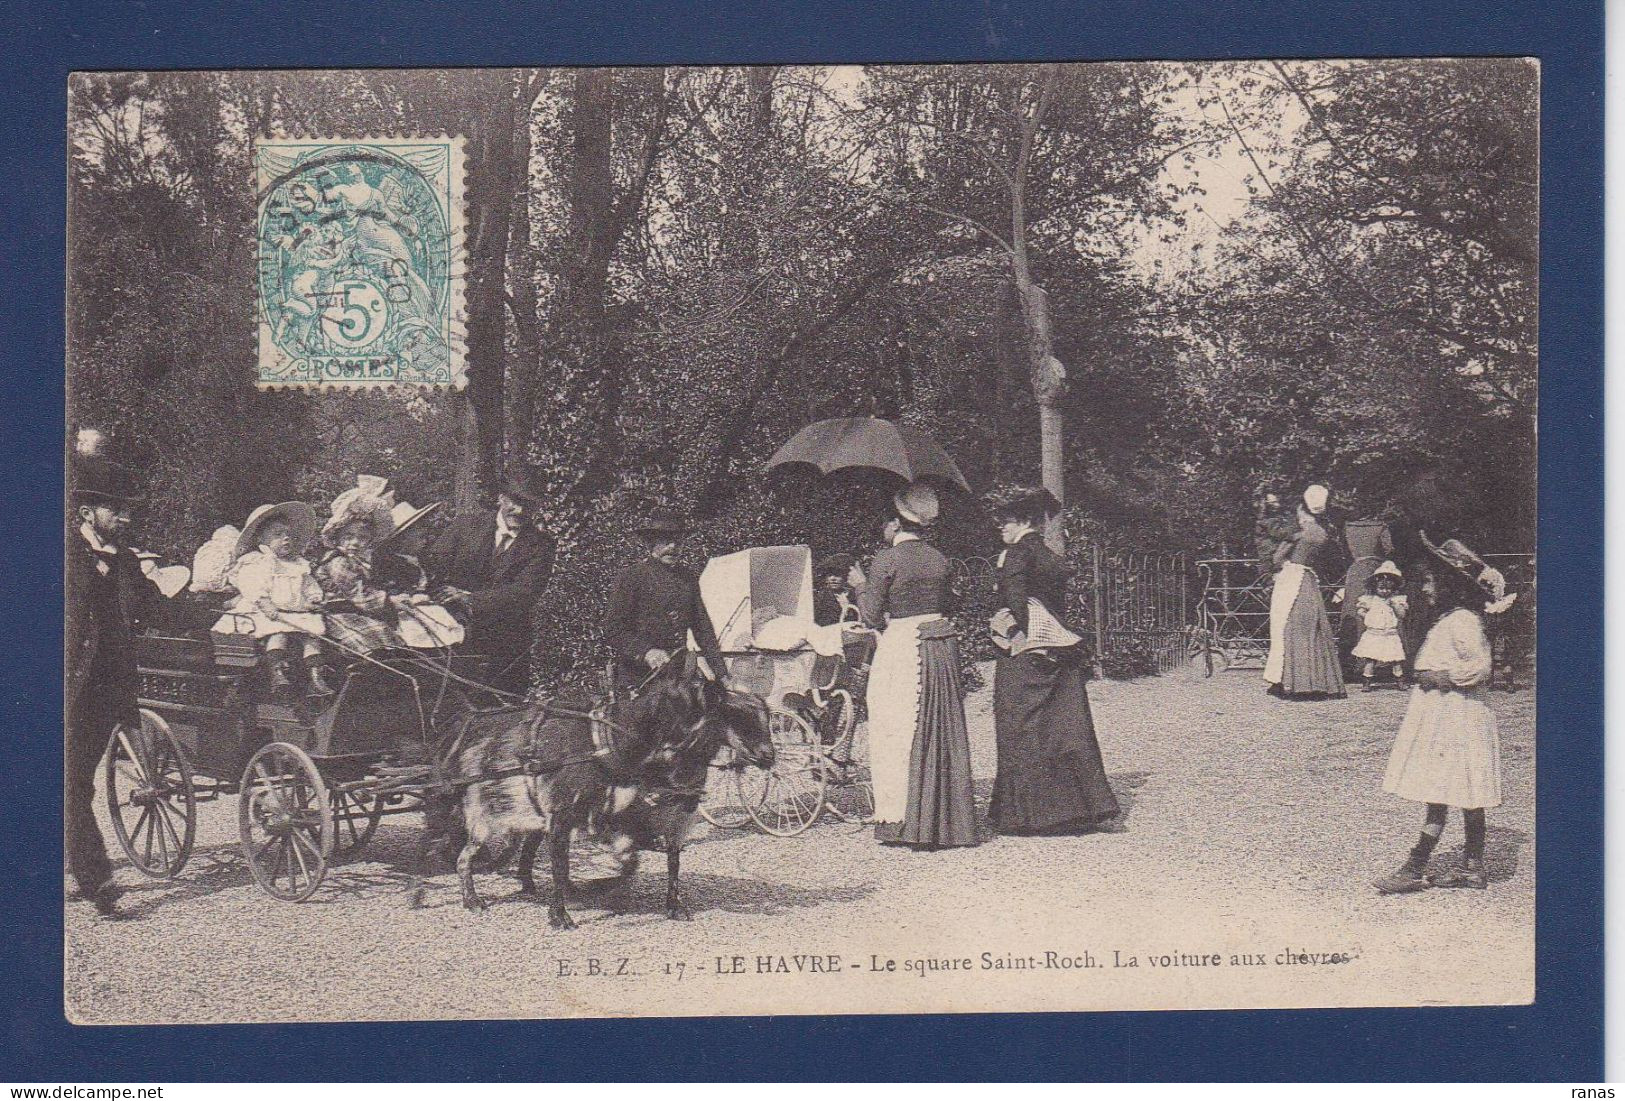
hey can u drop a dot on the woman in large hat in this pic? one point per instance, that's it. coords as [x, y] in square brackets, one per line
[1448, 750]
[1303, 660]
[919, 751]
[1050, 777]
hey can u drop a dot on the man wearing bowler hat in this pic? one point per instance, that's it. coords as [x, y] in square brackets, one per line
[655, 604]
[490, 567]
[109, 601]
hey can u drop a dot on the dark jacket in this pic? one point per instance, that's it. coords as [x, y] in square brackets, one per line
[907, 579]
[656, 605]
[503, 589]
[104, 614]
[1032, 571]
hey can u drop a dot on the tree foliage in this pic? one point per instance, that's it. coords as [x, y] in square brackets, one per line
[672, 270]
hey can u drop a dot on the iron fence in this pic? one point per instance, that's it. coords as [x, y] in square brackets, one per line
[1132, 606]
[1232, 623]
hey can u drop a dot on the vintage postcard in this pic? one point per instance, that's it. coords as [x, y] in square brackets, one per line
[785, 540]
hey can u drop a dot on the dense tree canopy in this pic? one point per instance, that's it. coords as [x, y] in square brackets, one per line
[1249, 273]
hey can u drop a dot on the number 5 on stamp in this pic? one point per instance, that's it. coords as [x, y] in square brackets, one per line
[360, 275]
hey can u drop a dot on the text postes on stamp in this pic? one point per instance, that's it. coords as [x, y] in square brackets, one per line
[360, 261]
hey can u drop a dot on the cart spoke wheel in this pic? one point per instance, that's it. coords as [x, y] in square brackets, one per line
[724, 803]
[787, 798]
[286, 822]
[355, 818]
[150, 796]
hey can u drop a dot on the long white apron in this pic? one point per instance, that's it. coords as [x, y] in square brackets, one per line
[894, 711]
[1288, 580]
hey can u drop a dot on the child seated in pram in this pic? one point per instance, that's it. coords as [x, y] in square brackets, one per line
[277, 599]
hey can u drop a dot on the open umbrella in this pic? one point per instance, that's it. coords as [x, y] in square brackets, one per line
[846, 442]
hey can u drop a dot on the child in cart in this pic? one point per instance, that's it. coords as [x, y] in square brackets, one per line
[277, 598]
[360, 618]
[421, 623]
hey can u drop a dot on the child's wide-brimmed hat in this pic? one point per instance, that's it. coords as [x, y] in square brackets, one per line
[1461, 558]
[369, 502]
[1387, 569]
[403, 516]
[300, 518]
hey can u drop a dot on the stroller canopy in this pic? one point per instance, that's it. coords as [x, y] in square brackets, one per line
[746, 590]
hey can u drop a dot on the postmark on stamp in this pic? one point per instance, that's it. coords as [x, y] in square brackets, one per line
[360, 261]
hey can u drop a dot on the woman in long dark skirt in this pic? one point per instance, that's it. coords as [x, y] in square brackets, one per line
[919, 751]
[1303, 660]
[1050, 775]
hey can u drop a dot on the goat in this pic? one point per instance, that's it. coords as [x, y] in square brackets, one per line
[539, 771]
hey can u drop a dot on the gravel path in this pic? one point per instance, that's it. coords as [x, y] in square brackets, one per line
[1253, 828]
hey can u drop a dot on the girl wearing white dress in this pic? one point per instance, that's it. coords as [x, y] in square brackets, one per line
[1448, 752]
[1382, 611]
[278, 599]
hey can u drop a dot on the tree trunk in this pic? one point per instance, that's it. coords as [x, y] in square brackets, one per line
[492, 180]
[1048, 376]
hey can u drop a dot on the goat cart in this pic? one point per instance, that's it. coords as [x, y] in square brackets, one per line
[760, 602]
[312, 778]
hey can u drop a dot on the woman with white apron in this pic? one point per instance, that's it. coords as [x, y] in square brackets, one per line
[919, 752]
[1303, 660]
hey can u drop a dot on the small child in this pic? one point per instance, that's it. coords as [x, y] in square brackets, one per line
[214, 560]
[1273, 527]
[277, 598]
[1448, 751]
[360, 617]
[1382, 610]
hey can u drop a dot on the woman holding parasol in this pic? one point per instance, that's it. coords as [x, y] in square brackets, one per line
[919, 750]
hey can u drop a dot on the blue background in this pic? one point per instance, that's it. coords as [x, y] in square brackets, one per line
[1560, 1037]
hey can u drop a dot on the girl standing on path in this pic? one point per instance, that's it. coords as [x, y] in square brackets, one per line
[1303, 660]
[1050, 776]
[919, 750]
[1382, 610]
[1448, 752]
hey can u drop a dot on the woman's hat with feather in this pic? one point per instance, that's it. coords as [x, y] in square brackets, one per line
[368, 502]
[1461, 558]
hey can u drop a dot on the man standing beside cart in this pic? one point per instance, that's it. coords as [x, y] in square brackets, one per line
[654, 605]
[108, 599]
[490, 569]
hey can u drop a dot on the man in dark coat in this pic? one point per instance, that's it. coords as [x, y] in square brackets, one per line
[490, 568]
[654, 605]
[109, 600]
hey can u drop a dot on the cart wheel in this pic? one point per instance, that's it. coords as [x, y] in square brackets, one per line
[851, 796]
[355, 819]
[787, 798]
[285, 822]
[724, 803]
[150, 796]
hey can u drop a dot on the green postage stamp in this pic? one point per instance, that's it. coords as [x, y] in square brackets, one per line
[360, 261]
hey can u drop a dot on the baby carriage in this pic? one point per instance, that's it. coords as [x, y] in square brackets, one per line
[760, 602]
